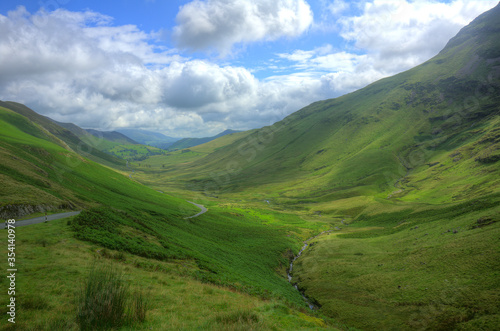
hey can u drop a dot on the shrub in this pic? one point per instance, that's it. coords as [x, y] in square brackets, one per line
[139, 307]
[102, 300]
[106, 302]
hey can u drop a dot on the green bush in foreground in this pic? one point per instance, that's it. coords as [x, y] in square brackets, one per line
[106, 301]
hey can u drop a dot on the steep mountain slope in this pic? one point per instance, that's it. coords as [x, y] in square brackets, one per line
[191, 142]
[64, 137]
[244, 250]
[42, 171]
[85, 134]
[430, 133]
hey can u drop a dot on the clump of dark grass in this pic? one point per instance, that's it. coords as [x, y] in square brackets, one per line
[33, 302]
[243, 317]
[106, 302]
[139, 307]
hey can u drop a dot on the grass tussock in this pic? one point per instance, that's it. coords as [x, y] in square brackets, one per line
[106, 301]
[239, 320]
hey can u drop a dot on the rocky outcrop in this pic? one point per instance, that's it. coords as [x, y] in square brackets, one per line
[22, 210]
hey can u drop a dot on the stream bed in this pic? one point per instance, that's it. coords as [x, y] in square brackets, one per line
[289, 273]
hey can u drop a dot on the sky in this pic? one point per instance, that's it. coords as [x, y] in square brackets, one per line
[196, 68]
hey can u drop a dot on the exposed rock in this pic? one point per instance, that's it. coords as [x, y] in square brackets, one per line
[21, 210]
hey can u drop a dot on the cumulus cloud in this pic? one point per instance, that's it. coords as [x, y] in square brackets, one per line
[220, 24]
[78, 67]
[415, 30]
[74, 67]
[387, 37]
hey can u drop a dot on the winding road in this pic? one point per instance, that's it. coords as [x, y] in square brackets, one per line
[42, 219]
[203, 210]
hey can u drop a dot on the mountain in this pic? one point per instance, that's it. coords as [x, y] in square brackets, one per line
[112, 136]
[428, 134]
[45, 167]
[151, 138]
[225, 252]
[64, 137]
[191, 142]
[405, 172]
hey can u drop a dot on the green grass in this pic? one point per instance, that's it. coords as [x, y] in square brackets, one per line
[134, 152]
[51, 276]
[106, 302]
[242, 249]
[430, 131]
[436, 268]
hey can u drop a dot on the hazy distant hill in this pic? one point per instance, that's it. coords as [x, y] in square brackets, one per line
[112, 136]
[108, 135]
[151, 138]
[191, 142]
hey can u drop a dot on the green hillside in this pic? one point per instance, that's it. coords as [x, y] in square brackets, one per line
[65, 137]
[406, 173]
[424, 134]
[395, 188]
[243, 250]
[190, 142]
[113, 143]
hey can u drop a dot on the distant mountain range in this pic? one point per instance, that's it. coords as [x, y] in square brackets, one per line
[191, 142]
[150, 138]
[162, 141]
[108, 135]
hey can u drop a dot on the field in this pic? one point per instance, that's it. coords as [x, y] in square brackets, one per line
[395, 188]
[433, 268]
[55, 266]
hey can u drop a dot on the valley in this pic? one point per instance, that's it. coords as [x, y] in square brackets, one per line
[386, 200]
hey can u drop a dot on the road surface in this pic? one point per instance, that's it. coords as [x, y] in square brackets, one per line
[203, 210]
[41, 219]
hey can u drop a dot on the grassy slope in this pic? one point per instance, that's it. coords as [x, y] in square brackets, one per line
[192, 142]
[34, 163]
[246, 250]
[64, 137]
[113, 144]
[53, 265]
[403, 161]
[343, 146]
[416, 268]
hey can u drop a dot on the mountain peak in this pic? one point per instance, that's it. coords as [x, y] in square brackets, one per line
[484, 30]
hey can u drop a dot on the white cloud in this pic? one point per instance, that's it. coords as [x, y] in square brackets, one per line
[336, 7]
[387, 37]
[220, 24]
[415, 30]
[78, 67]
[73, 67]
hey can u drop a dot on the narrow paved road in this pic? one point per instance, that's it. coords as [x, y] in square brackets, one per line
[41, 219]
[52, 217]
[203, 210]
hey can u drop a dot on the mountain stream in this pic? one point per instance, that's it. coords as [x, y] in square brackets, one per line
[289, 274]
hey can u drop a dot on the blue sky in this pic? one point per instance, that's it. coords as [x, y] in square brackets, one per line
[196, 68]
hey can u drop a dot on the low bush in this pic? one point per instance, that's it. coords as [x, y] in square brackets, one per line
[106, 302]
